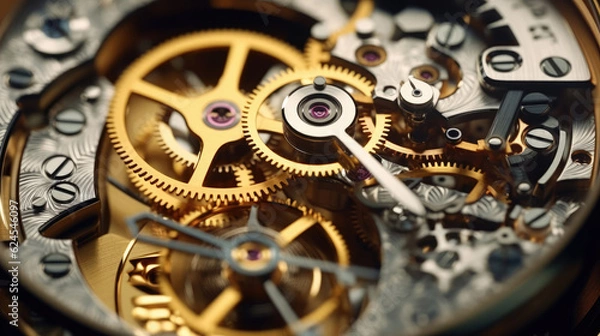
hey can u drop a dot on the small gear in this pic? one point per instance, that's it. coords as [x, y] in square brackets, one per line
[292, 227]
[211, 114]
[254, 124]
[450, 169]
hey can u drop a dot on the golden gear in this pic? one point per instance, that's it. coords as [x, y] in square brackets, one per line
[291, 222]
[167, 141]
[168, 188]
[254, 123]
[481, 187]
[177, 203]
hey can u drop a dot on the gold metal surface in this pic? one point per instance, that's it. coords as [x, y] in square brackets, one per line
[168, 190]
[166, 311]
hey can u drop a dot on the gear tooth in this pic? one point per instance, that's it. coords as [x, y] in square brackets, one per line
[153, 186]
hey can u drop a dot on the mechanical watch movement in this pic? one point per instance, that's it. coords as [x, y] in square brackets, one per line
[296, 167]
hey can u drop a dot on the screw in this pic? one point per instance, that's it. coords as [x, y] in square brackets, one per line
[556, 67]
[91, 94]
[59, 167]
[69, 122]
[504, 261]
[39, 204]
[64, 192]
[446, 259]
[504, 61]
[19, 78]
[365, 28]
[319, 83]
[56, 265]
[55, 27]
[524, 188]
[450, 35]
[401, 220]
[535, 105]
[537, 219]
[539, 139]
[453, 135]
[495, 143]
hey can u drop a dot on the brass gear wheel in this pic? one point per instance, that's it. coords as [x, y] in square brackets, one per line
[187, 159]
[401, 151]
[225, 289]
[169, 188]
[165, 136]
[254, 123]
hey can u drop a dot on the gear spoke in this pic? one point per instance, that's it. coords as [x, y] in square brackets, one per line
[160, 95]
[295, 229]
[216, 311]
[234, 66]
[265, 124]
[205, 159]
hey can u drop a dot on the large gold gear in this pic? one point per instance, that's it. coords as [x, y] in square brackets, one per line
[254, 123]
[208, 320]
[169, 189]
[169, 143]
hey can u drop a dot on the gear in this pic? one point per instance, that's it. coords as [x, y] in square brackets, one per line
[404, 152]
[315, 53]
[449, 169]
[365, 228]
[254, 123]
[188, 157]
[211, 115]
[244, 192]
[292, 227]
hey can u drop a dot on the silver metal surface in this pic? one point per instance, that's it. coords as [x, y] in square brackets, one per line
[453, 276]
[542, 35]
